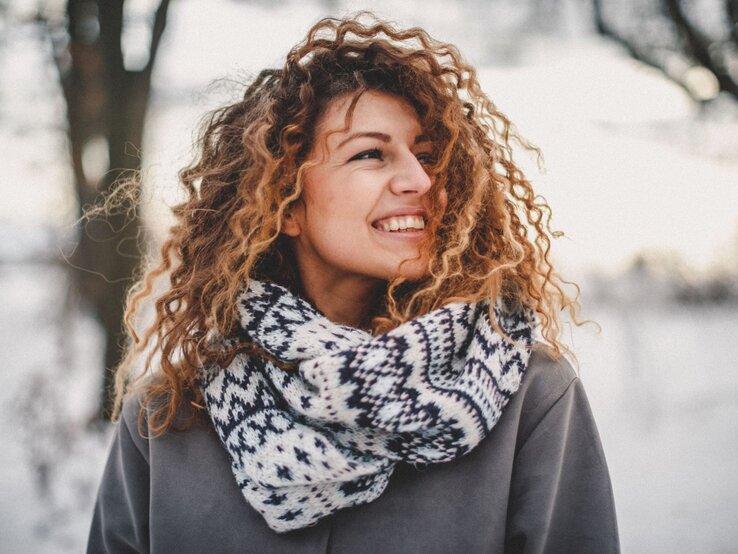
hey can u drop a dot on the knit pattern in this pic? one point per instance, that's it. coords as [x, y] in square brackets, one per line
[305, 443]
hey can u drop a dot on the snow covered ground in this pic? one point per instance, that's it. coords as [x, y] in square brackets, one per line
[663, 385]
[51, 456]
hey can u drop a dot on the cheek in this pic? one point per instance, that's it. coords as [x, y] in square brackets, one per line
[342, 207]
[334, 223]
[335, 217]
[324, 196]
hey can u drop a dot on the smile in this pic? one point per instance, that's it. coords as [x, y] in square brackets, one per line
[400, 224]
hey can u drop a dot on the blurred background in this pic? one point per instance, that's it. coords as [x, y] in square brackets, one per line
[633, 102]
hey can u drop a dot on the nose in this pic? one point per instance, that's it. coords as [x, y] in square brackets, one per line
[410, 177]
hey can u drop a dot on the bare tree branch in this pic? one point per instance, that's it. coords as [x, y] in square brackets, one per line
[677, 46]
[699, 46]
[157, 31]
[731, 13]
[642, 55]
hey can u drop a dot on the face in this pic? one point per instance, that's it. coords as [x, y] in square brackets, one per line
[366, 202]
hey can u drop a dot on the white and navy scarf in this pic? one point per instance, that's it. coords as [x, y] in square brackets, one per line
[327, 435]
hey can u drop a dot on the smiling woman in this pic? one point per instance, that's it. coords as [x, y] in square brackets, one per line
[357, 348]
[368, 193]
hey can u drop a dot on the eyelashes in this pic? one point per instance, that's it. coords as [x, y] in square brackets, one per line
[424, 158]
[373, 154]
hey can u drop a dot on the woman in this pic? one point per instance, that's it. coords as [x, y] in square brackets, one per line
[357, 348]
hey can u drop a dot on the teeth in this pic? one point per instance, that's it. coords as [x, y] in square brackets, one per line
[402, 223]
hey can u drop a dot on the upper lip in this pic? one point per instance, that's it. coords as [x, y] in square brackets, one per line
[404, 211]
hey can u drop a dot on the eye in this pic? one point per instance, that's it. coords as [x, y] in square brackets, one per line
[373, 154]
[426, 158]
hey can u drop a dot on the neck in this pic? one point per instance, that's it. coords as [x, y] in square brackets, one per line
[344, 300]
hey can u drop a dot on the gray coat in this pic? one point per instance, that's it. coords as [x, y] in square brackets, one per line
[537, 483]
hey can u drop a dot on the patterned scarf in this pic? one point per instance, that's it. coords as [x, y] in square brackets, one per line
[308, 442]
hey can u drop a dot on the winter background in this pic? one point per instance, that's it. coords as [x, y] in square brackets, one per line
[643, 181]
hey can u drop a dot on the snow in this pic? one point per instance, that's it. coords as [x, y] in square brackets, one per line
[52, 457]
[663, 387]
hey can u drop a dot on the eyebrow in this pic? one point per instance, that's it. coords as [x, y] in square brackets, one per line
[384, 137]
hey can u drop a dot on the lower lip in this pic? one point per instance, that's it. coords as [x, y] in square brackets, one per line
[401, 235]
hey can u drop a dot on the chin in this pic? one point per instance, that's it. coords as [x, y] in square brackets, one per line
[413, 270]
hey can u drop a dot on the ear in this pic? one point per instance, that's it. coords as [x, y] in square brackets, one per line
[290, 224]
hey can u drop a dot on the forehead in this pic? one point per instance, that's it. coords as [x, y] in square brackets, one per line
[374, 111]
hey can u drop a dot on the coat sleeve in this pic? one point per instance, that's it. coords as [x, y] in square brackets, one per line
[561, 497]
[120, 521]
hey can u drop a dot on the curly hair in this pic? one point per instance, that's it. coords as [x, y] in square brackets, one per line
[492, 240]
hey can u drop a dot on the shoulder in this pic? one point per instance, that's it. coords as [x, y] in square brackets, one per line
[133, 424]
[548, 376]
[131, 409]
[560, 494]
[141, 407]
[547, 380]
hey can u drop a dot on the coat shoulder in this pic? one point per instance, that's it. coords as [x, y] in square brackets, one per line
[547, 375]
[547, 379]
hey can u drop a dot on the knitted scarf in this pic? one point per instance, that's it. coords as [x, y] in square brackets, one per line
[327, 435]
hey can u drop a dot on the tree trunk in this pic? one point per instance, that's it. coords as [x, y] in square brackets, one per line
[105, 99]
